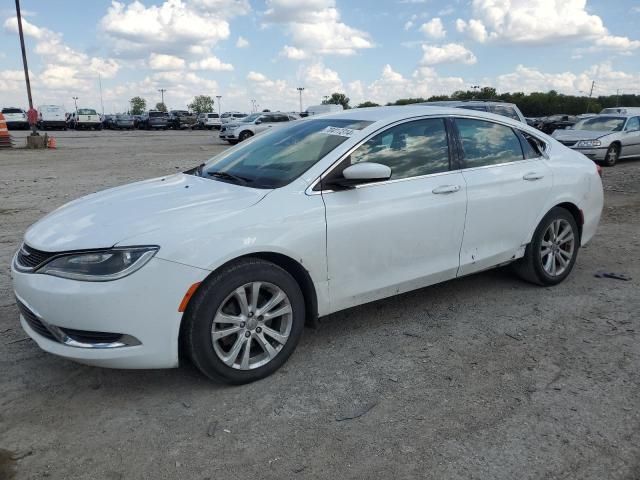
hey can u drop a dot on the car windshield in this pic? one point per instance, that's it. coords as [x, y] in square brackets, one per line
[124, 117]
[156, 114]
[213, 115]
[11, 110]
[250, 118]
[275, 159]
[86, 111]
[602, 124]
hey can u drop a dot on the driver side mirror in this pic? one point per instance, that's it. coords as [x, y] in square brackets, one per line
[361, 173]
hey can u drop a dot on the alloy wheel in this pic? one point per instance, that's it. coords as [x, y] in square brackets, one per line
[557, 247]
[252, 325]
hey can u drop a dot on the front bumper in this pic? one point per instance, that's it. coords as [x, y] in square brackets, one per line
[142, 306]
[593, 153]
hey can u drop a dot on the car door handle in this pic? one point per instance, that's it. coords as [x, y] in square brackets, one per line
[446, 189]
[532, 176]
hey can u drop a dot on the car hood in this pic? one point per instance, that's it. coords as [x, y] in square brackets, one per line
[107, 218]
[579, 134]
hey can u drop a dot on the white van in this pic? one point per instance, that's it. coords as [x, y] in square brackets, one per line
[325, 108]
[621, 111]
[51, 116]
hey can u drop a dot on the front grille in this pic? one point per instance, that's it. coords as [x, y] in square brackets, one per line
[30, 258]
[33, 321]
[568, 143]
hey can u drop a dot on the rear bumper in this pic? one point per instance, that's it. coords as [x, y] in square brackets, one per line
[16, 124]
[53, 123]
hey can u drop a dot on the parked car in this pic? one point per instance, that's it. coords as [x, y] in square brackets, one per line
[252, 125]
[107, 121]
[122, 121]
[209, 120]
[137, 121]
[181, 119]
[225, 263]
[509, 110]
[85, 118]
[233, 117]
[552, 123]
[604, 138]
[153, 119]
[320, 109]
[621, 110]
[16, 118]
[51, 116]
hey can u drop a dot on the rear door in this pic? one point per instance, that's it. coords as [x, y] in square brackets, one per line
[507, 183]
[405, 233]
[631, 138]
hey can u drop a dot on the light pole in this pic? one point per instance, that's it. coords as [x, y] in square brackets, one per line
[219, 107]
[26, 67]
[75, 102]
[162, 90]
[300, 89]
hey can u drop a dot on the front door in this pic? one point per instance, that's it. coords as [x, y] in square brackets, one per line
[397, 235]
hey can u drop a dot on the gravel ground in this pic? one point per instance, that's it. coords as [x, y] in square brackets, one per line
[484, 377]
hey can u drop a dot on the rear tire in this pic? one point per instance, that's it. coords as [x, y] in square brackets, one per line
[611, 158]
[229, 333]
[553, 250]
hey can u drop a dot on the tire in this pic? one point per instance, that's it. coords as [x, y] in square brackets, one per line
[611, 158]
[218, 292]
[244, 135]
[535, 266]
[232, 142]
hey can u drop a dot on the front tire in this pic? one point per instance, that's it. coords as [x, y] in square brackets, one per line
[244, 322]
[553, 250]
[244, 135]
[611, 158]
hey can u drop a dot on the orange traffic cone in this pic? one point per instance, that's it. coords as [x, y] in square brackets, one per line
[5, 138]
[51, 143]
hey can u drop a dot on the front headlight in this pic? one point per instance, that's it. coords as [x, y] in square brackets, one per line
[99, 265]
[589, 143]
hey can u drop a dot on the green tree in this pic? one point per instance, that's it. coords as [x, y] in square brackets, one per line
[161, 107]
[138, 105]
[338, 99]
[368, 104]
[201, 104]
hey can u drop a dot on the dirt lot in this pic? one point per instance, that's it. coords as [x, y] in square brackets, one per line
[484, 377]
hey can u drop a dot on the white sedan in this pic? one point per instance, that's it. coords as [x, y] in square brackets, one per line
[227, 262]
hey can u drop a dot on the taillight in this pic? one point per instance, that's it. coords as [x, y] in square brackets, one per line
[599, 169]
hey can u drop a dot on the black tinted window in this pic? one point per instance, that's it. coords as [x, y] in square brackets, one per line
[479, 108]
[487, 143]
[410, 150]
[11, 110]
[505, 111]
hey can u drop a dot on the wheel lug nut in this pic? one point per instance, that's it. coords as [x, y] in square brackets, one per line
[258, 329]
[242, 324]
[260, 318]
[247, 334]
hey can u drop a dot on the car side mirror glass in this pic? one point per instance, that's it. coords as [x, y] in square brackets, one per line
[361, 173]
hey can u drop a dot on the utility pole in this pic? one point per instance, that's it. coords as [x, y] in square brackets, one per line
[26, 69]
[300, 90]
[617, 97]
[593, 84]
[219, 107]
[101, 102]
[162, 90]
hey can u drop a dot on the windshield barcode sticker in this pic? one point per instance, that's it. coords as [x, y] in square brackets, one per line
[342, 132]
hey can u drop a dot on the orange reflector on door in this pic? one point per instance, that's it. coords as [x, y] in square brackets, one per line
[187, 297]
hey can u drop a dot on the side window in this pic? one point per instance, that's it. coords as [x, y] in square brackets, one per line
[281, 118]
[267, 119]
[633, 125]
[531, 146]
[410, 149]
[487, 143]
[505, 111]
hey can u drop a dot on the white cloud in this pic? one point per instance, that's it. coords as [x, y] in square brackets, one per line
[159, 61]
[242, 42]
[28, 28]
[617, 43]
[447, 53]
[315, 27]
[169, 28]
[211, 63]
[293, 53]
[433, 28]
[411, 22]
[474, 28]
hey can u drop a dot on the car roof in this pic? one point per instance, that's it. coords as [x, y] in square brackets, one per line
[466, 102]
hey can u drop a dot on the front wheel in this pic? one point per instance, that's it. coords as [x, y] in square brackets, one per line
[611, 158]
[244, 135]
[553, 250]
[244, 322]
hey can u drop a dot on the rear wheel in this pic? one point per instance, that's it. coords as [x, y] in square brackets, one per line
[613, 153]
[552, 253]
[244, 322]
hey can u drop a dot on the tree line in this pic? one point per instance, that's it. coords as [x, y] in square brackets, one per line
[536, 104]
[200, 104]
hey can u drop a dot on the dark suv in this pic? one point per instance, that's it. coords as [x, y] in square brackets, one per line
[153, 119]
[180, 119]
[499, 108]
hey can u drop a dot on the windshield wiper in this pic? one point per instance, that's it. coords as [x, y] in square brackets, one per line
[230, 176]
